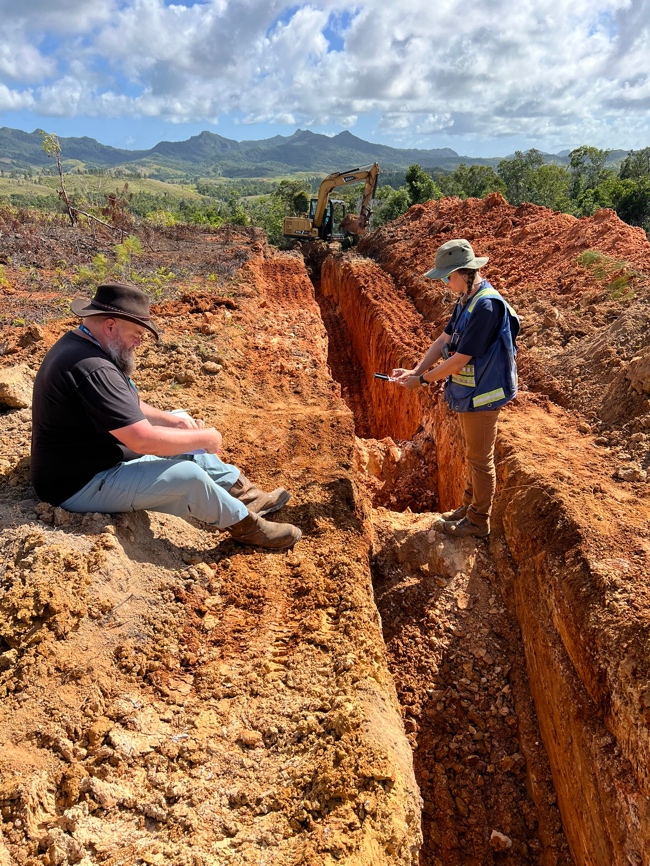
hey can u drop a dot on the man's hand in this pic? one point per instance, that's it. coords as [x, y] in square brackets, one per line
[165, 441]
[179, 419]
[186, 422]
[214, 446]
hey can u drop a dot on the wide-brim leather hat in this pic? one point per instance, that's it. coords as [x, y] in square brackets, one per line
[118, 300]
[453, 256]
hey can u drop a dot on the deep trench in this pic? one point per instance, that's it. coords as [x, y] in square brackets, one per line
[456, 655]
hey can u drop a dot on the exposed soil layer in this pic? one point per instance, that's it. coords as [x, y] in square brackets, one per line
[580, 285]
[458, 662]
[168, 696]
[171, 697]
[570, 538]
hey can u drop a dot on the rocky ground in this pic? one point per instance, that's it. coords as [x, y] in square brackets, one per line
[171, 697]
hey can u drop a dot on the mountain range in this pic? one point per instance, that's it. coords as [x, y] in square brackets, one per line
[208, 154]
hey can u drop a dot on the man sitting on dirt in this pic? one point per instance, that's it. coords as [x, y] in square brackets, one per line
[97, 447]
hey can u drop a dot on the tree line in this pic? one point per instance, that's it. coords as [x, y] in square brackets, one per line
[581, 188]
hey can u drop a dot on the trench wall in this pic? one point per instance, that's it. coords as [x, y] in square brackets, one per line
[384, 332]
[168, 696]
[560, 571]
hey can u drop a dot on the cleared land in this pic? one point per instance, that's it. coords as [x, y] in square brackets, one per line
[171, 697]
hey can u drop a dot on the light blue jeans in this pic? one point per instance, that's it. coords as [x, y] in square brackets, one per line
[190, 485]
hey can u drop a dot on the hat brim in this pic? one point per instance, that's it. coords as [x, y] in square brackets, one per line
[80, 307]
[475, 264]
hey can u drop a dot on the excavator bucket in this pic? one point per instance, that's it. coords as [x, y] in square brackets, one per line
[350, 224]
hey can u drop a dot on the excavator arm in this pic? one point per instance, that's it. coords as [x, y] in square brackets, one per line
[369, 173]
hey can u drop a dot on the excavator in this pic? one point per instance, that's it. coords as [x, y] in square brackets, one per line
[325, 212]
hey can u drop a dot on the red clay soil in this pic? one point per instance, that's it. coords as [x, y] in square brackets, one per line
[167, 695]
[171, 697]
[570, 541]
[580, 285]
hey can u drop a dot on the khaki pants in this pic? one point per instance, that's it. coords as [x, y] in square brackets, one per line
[479, 432]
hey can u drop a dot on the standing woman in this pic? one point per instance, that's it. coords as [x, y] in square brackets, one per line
[481, 376]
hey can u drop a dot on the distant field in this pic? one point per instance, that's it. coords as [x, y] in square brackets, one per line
[93, 186]
[8, 187]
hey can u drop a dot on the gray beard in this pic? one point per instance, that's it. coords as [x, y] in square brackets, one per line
[123, 358]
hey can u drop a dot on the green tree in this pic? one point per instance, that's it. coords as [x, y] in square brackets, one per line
[269, 212]
[475, 181]
[420, 186]
[517, 175]
[607, 194]
[211, 212]
[635, 165]
[550, 187]
[237, 215]
[392, 204]
[587, 168]
[633, 203]
[449, 185]
[294, 195]
[208, 188]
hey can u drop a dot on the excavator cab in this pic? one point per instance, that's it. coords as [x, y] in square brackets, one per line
[304, 227]
[330, 229]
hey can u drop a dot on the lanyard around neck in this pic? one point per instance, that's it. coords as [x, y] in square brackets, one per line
[84, 330]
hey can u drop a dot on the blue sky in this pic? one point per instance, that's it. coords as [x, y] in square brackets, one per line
[484, 77]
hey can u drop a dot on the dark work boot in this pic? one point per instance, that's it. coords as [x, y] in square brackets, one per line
[253, 529]
[256, 500]
[463, 528]
[458, 514]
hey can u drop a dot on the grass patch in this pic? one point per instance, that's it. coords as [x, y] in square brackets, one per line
[617, 275]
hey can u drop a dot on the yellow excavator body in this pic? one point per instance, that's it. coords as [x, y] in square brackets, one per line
[299, 227]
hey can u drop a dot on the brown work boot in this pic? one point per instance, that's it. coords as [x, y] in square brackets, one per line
[256, 500]
[463, 528]
[458, 514]
[253, 529]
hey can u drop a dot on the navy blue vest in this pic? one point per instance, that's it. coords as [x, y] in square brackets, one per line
[491, 380]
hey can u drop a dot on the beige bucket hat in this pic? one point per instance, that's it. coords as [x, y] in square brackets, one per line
[453, 256]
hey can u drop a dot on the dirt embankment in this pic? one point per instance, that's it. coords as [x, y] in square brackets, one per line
[169, 696]
[580, 286]
[570, 543]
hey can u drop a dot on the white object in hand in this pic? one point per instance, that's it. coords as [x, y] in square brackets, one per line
[183, 413]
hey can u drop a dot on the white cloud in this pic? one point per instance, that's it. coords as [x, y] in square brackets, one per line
[60, 17]
[550, 71]
[22, 62]
[13, 100]
[433, 123]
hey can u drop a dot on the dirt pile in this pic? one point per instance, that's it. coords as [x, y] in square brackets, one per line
[582, 288]
[168, 696]
[570, 544]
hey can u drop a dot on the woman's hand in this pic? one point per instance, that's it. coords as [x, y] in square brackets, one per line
[411, 382]
[399, 374]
